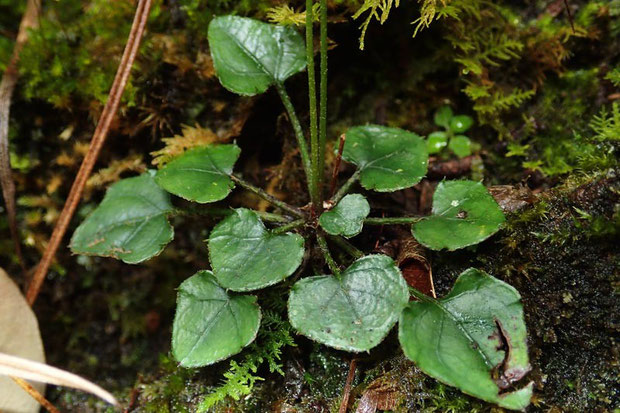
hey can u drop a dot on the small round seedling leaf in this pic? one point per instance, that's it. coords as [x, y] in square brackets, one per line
[211, 325]
[443, 115]
[474, 338]
[464, 213]
[353, 311]
[389, 159]
[249, 55]
[130, 224]
[460, 145]
[346, 218]
[201, 174]
[461, 123]
[246, 256]
[436, 141]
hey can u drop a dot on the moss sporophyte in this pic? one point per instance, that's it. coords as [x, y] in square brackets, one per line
[474, 338]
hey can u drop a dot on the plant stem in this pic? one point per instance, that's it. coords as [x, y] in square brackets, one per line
[287, 227]
[224, 212]
[392, 221]
[314, 140]
[328, 257]
[345, 188]
[347, 246]
[269, 198]
[322, 96]
[420, 295]
[299, 134]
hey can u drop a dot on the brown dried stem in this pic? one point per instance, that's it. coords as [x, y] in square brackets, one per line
[98, 139]
[344, 404]
[35, 395]
[7, 86]
[332, 191]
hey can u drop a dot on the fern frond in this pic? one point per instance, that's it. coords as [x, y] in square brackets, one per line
[190, 137]
[500, 101]
[614, 76]
[606, 125]
[287, 16]
[378, 10]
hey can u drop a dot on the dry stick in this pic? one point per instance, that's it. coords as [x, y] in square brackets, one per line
[35, 395]
[347, 387]
[101, 131]
[7, 86]
[332, 191]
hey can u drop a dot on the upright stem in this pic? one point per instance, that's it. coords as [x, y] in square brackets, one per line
[322, 96]
[299, 134]
[392, 221]
[328, 257]
[269, 198]
[345, 188]
[314, 140]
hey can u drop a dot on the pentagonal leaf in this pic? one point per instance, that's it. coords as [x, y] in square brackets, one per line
[130, 223]
[389, 159]
[354, 311]
[246, 256]
[461, 123]
[347, 217]
[443, 115]
[460, 145]
[474, 339]
[211, 325]
[201, 174]
[436, 141]
[464, 213]
[249, 55]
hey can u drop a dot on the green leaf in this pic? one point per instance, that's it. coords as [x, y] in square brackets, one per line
[249, 55]
[474, 339]
[461, 123]
[201, 174]
[389, 159]
[354, 311]
[245, 256]
[443, 115]
[436, 141]
[464, 213]
[346, 218]
[130, 224]
[210, 325]
[460, 145]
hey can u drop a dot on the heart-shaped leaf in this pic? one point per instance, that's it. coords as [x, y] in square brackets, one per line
[249, 55]
[246, 256]
[201, 174]
[436, 141]
[347, 217]
[353, 311]
[474, 339]
[443, 115]
[460, 145]
[389, 159]
[464, 213]
[210, 325]
[130, 223]
[461, 123]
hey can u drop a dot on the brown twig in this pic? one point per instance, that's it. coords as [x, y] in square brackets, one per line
[101, 131]
[35, 395]
[346, 393]
[7, 86]
[332, 191]
[570, 16]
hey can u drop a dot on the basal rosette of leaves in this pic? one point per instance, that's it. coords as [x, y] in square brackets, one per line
[349, 307]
